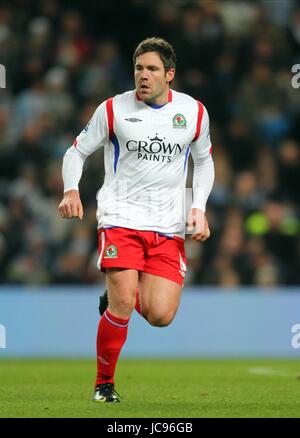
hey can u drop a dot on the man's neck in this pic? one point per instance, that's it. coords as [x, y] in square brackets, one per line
[160, 100]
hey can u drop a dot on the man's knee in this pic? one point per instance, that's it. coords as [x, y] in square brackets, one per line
[121, 301]
[160, 320]
[124, 301]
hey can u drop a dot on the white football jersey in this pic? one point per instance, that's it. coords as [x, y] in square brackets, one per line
[146, 150]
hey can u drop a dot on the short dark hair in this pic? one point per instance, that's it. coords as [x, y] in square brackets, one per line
[159, 45]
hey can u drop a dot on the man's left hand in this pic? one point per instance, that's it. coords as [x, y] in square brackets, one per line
[197, 221]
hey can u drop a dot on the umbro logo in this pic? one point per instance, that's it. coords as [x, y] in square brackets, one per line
[102, 360]
[133, 120]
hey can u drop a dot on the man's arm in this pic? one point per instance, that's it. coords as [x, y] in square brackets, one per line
[93, 136]
[203, 179]
[71, 205]
[202, 184]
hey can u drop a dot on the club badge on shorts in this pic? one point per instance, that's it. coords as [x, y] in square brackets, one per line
[111, 252]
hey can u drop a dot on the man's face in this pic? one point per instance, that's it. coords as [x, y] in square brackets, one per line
[151, 79]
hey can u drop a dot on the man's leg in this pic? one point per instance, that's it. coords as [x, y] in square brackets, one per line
[159, 299]
[113, 325]
[103, 302]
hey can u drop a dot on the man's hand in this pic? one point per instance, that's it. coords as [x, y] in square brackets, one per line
[198, 220]
[71, 205]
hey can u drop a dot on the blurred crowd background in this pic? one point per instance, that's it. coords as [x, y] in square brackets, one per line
[63, 59]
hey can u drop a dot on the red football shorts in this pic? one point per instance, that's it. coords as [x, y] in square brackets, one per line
[146, 251]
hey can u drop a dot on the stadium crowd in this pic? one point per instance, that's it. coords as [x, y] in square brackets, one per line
[63, 59]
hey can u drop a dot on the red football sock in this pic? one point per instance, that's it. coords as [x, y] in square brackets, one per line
[137, 303]
[112, 334]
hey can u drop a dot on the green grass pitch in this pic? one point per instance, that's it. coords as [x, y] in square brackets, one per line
[152, 389]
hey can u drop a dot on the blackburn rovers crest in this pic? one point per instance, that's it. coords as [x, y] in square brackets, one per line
[111, 252]
[179, 121]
